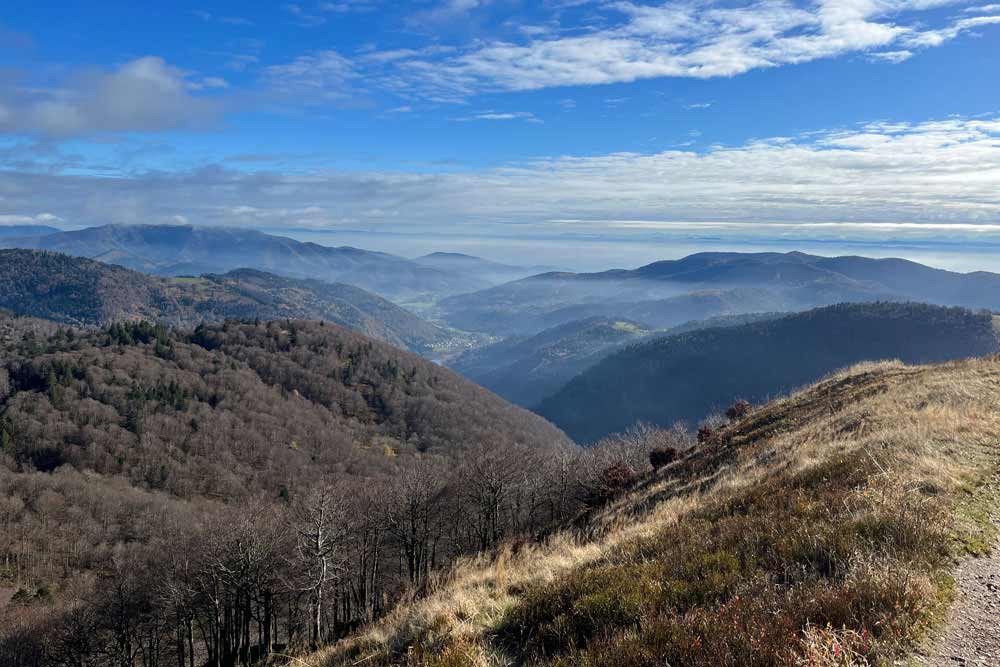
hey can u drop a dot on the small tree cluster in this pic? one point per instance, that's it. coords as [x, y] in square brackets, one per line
[709, 427]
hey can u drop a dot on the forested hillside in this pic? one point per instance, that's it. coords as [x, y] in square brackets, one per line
[86, 293]
[238, 408]
[688, 376]
[150, 479]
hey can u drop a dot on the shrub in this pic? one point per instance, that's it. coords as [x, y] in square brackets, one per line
[615, 479]
[705, 433]
[662, 457]
[741, 409]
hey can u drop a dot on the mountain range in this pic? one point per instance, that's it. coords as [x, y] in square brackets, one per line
[175, 250]
[83, 292]
[173, 490]
[668, 293]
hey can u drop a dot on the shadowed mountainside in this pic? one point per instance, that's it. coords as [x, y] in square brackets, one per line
[686, 377]
[526, 370]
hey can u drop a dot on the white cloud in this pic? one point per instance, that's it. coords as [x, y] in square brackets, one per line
[446, 10]
[348, 6]
[932, 38]
[683, 38]
[140, 95]
[40, 219]
[500, 115]
[894, 57]
[687, 39]
[320, 77]
[228, 20]
[982, 9]
[939, 172]
[208, 82]
[304, 17]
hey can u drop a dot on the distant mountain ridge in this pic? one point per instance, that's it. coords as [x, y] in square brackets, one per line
[190, 250]
[905, 278]
[84, 292]
[685, 377]
[484, 270]
[20, 231]
[739, 282]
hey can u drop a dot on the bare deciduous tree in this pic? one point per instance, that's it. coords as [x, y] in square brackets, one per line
[321, 527]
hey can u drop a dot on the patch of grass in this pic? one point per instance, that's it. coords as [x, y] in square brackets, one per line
[976, 533]
[627, 327]
[740, 580]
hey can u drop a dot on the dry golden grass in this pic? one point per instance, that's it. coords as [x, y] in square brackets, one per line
[927, 437]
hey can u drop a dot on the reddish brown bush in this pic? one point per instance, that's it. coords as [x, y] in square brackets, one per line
[662, 457]
[615, 479]
[705, 433]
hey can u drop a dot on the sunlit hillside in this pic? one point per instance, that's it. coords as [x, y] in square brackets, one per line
[819, 530]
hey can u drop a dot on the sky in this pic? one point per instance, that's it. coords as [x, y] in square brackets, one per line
[574, 132]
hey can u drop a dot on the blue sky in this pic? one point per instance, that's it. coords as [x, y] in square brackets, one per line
[836, 121]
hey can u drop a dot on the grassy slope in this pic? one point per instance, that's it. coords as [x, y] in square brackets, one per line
[818, 531]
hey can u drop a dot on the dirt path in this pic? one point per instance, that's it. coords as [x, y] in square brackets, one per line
[971, 634]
